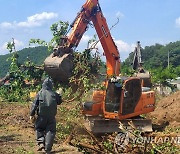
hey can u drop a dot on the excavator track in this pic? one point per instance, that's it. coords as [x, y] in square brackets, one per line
[99, 125]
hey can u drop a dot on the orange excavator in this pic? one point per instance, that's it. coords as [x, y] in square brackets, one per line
[123, 101]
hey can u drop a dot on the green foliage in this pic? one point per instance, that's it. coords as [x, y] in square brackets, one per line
[30, 72]
[161, 75]
[126, 70]
[177, 71]
[86, 65]
[37, 56]
[16, 89]
[37, 41]
[10, 46]
[108, 145]
[22, 150]
[58, 29]
[166, 147]
[69, 118]
[85, 76]
[155, 60]
[64, 130]
[157, 55]
[86, 70]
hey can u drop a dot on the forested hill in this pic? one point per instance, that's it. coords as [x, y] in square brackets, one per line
[157, 55]
[37, 55]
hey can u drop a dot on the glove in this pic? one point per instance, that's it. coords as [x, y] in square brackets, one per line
[32, 119]
[59, 91]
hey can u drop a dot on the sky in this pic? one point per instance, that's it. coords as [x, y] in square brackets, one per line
[147, 21]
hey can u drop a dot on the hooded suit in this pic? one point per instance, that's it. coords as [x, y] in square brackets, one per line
[45, 105]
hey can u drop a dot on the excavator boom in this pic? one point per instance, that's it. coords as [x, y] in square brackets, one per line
[59, 64]
[110, 49]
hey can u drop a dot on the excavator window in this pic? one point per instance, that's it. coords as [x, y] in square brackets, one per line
[113, 97]
[132, 95]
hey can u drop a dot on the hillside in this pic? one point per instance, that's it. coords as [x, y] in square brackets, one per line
[157, 55]
[36, 55]
[152, 56]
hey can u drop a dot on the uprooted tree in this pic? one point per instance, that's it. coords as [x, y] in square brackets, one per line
[86, 64]
[85, 74]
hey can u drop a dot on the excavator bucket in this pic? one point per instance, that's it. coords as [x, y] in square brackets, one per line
[59, 68]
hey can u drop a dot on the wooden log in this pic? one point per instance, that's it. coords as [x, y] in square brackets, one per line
[90, 147]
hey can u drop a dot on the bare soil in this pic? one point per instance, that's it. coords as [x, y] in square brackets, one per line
[167, 111]
[17, 133]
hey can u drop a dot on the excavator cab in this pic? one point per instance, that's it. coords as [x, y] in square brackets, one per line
[122, 97]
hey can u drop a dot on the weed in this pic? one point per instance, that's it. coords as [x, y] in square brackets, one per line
[108, 145]
[31, 144]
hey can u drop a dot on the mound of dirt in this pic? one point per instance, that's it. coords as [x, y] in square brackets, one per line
[167, 110]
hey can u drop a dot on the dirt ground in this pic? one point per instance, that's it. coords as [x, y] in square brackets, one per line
[17, 132]
[167, 111]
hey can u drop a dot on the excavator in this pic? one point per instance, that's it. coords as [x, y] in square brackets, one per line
[123, 100]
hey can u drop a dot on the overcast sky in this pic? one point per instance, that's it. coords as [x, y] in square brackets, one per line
[149, 21]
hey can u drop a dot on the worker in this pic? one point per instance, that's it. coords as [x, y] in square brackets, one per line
[45, 106]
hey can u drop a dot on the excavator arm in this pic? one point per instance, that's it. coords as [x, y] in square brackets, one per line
[90, 11]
